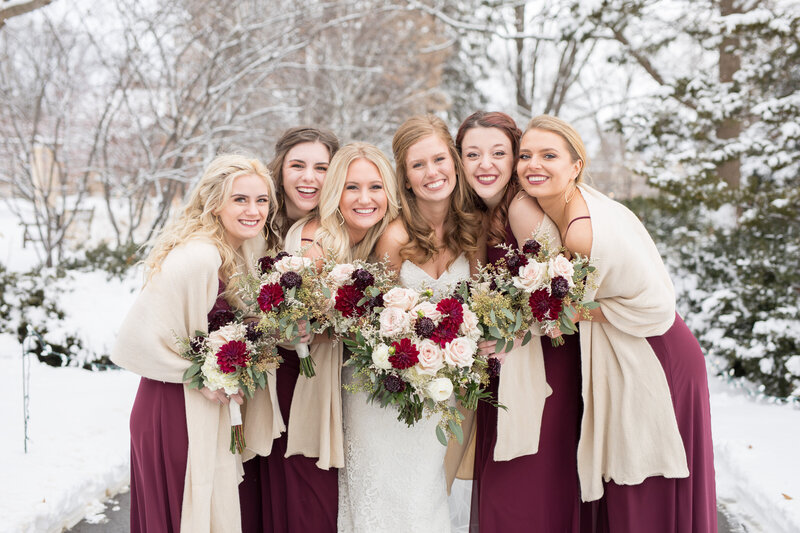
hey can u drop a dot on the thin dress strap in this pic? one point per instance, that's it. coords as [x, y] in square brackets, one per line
[570, 224]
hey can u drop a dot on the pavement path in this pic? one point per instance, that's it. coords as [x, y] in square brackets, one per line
[115, 518]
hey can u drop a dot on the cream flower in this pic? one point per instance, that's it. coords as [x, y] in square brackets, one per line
[394, 321]
[225, 334]
[401, 298]
[561, 266]
[531, 276]
[341, 273]
[430, 357]
[460, 352]
[428, 310]
[380, 357]
[216, 379]
[292, 263]
[439, 389]
[469, 327]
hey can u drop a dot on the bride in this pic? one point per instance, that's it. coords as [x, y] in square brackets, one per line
[394, 477]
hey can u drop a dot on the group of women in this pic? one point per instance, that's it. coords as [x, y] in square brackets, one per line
[609, 432]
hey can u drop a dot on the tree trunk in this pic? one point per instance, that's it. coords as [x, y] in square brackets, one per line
[729, 64]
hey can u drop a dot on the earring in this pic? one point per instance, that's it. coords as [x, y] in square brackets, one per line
[341, 217]
[567, 198]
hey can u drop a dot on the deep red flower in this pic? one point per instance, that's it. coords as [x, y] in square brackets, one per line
[445, 332]
[393, 383]
[347, 298]
[405, 354]
[270, 297]
[450, 307]
[265, 264]
[232, 355]
[531, 246]
[544, 306]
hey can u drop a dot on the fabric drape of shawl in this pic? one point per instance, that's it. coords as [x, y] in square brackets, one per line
[263, 422]
[175, 303]
[629, 431]
[315, 417]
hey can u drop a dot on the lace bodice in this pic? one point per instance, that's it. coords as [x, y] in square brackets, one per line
[413, 277]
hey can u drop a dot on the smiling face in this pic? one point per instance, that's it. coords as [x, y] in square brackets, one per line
[545, 166]
[363, 202]
[488, 161]
[303, 172]
[245, 210]
[430, 170]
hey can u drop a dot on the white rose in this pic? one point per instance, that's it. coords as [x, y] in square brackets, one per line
[531, 276]
[380, 357]
[460, 352]
[428, 310]
[439, 389]
[225, 334]
[469, 327]
[430, 358]
[215, 379]
[341, 273]
[401, 298]
[394, 321]
[292, 263]
[561, 266]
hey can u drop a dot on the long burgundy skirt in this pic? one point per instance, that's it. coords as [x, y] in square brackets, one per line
[159, 448]
[287, 494]
[539, 492]
[668, 505]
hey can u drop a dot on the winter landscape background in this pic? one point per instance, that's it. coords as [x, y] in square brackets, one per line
[690, 110]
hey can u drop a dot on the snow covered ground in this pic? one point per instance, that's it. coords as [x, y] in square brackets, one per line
[78, 427]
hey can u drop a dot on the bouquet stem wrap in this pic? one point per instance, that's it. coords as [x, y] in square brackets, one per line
[237, 430]
[306, 362]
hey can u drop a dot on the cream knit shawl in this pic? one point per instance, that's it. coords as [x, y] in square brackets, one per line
[176, 302]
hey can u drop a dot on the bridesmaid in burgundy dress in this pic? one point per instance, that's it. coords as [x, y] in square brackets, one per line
[537, 492]
[180, 464]
[291, 494]
[645, 458]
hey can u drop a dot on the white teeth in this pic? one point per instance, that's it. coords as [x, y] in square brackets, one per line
[249, 222]
[364, 211]
[435, 184]
[306, 190]
[486, 179]
[536, 179]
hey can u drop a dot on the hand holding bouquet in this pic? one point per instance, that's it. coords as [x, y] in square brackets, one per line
[285, 294]
[233, 357]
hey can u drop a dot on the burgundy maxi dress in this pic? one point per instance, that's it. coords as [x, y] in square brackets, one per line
[539, 492]
[287, 494]
[159, 448]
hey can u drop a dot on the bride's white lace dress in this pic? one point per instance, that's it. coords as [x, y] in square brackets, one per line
[393, 479]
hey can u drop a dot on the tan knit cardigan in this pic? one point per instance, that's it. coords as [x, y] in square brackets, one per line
[175, 303]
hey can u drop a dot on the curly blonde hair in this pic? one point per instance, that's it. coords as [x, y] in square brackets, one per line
[463, 223]
[332, 234]
[198, 218]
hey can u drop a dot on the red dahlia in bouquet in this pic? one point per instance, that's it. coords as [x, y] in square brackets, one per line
[233, 356]
[414, 354]
[286, 293]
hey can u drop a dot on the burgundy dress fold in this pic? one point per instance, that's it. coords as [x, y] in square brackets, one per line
[159, 449]
[287, 494]
[539, 492]
[686, 505]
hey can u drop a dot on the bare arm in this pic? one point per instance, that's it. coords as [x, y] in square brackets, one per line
[524, 217]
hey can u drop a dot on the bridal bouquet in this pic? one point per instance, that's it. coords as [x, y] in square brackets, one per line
[354, 291]
[555, 286]
[233, 357]
[286, 293]
[411, 353]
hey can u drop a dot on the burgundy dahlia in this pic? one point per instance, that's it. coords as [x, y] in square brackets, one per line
[197, 343]
[559, 287]
[450, 307]
[494, 367]
[424, 327]
[219, 319]
[347, 298]
[270, 297]
[281, 255]
[531, 246]
[266, 263]
[231, 356]
[445, 332]
[405, 354]
[291, 280]
[362, 278]
[544, 306]
[515, 261]
[252, 334]
[393, 383]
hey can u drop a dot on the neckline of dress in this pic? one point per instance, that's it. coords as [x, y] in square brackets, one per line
[447, 271]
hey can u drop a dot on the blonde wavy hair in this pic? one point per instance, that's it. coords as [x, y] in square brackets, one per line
[464, 221]
[198, 218]
[332, 234]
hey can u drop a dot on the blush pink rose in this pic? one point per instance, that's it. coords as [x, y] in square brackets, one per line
[561, 266]
[292, 263]
[394, 321]
[531, 276]
[460, 352]
[428, 310]
[430, 358]
[401, 298]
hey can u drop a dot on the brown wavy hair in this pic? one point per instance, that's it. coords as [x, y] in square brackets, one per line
[462, 226]
[291, 138]
[497, 217]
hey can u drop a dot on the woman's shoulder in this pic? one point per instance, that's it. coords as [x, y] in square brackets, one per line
[394, 234]
[524, 216]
